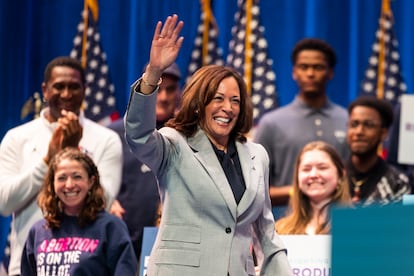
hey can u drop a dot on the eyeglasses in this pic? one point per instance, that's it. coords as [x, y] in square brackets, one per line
[365, 124]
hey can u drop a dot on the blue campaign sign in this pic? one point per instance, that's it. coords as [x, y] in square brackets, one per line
[148, 240]
[408, 199]
[373, 241]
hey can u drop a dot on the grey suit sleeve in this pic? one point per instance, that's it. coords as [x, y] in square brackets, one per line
[145, 142]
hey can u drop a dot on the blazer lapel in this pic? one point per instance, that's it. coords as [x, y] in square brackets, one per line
[250, 175]
[205, 154]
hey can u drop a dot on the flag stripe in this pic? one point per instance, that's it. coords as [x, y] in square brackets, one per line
[206, 48]
[253, 61]
[383, 76]
[100, 92]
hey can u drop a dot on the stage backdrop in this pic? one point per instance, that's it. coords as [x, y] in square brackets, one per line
[35, 31]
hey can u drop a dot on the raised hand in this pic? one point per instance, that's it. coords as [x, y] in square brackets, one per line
[166, 44]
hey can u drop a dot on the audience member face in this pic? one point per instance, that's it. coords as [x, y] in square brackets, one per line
[311, 72]
[167, 98]
[317, 176]
[64, 90]
[222, 112]
[71, 184]
[364, 132]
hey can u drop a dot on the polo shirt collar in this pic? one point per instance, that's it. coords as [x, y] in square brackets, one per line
[305, 110]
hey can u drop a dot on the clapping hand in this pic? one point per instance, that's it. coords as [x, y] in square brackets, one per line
[72, 129]
[68, 133]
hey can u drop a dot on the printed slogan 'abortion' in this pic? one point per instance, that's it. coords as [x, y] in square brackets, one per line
[56, 256]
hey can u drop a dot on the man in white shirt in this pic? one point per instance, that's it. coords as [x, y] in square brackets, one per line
[26, 150]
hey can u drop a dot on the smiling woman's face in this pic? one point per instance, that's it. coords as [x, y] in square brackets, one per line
[222, 112]
[71, 184]
[317, 175]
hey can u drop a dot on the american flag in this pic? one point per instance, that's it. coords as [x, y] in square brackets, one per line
[248, 54]
[206, 48]
[383, 77]
[99, 102]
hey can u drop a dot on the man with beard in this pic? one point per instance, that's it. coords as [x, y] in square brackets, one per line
[371, 179]
[26, 151]
[310, 116]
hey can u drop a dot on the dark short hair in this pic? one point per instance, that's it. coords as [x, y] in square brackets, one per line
[65, 62]
[314, 44]
[383, 107]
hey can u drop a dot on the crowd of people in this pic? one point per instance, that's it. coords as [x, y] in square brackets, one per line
[81, 193]
[312, 114]
[27, 150]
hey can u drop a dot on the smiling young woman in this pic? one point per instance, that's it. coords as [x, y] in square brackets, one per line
[76, 232]
[319, 182]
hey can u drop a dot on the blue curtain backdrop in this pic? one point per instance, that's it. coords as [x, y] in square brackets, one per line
[35, 31]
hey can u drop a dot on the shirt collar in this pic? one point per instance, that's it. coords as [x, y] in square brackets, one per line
[306, 111]
[231, 149]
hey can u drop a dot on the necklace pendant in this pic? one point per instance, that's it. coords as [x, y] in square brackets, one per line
[357, 194]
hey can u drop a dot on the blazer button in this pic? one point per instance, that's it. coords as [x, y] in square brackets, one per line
[228, 230]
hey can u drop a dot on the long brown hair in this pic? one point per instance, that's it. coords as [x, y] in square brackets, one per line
[199, 92]
[49, 202]
[300, 210]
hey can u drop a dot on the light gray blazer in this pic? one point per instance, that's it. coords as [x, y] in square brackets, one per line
[203, 231]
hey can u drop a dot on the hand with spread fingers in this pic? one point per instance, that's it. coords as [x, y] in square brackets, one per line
[166, 44]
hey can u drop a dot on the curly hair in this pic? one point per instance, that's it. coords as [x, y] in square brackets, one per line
[200, 91]
[50, 203]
